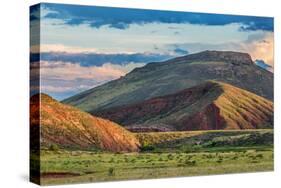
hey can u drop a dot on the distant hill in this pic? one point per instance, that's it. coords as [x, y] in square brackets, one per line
[164, 78]
[211, 105]
[68, 127]
[189, 141]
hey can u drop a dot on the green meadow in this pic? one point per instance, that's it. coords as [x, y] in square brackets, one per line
[182, 154]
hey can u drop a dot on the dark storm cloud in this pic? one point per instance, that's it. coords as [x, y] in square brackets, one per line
[121, 18]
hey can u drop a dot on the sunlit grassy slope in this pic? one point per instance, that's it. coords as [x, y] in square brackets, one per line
[68, 127]
[211, 105]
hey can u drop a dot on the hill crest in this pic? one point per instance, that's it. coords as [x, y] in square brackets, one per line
[209, 106]
[213, 55]
[68, 127]
[164, 78]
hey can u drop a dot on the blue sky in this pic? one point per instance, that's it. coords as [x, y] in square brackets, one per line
[106, 43]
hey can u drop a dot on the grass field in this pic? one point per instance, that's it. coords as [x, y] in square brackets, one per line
[194, 141]
[177, 156]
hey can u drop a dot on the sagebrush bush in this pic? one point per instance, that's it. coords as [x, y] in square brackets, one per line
[54, 147]
[111, 171]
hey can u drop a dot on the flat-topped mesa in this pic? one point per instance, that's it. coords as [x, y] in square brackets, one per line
[230, 57]
[167, 77]
[235, 58]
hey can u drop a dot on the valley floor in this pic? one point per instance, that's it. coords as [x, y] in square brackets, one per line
[159, 161]
[76, 167]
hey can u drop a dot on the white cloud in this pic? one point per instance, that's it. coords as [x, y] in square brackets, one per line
[65, 77]
[73, 49]
[72, 71]
[137, 38]
[61, 48]
[259, 46]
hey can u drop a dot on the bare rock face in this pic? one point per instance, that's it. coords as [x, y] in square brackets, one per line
[68, 127]
[209, 106]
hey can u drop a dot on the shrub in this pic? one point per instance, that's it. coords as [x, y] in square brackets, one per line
[170, 157]
[259, 156]
[219, 160]
[111, 171]
[190, 163]
[209, 156]
[188, 149]
[54, 147]
[147, 147]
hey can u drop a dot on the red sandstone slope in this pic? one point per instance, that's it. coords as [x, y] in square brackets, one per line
[67, 126]
[208, 106]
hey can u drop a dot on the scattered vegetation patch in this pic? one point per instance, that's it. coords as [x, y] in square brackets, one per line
[54, 147]
[111, 171]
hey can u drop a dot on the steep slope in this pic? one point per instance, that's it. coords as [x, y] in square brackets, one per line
[209, 106]
[163, 78]
[69, 127]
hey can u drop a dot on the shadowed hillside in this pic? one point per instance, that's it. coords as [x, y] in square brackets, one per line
[164, 78]
[68, 127]
[208, 106]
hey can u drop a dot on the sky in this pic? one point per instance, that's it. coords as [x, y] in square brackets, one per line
[82, 47]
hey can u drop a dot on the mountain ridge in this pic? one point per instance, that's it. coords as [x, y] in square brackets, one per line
[214, 55]
[156, 79]
[209, 106]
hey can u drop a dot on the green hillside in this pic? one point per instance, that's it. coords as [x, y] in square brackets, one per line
[194, 141]
[163, 78]
[211, 105]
